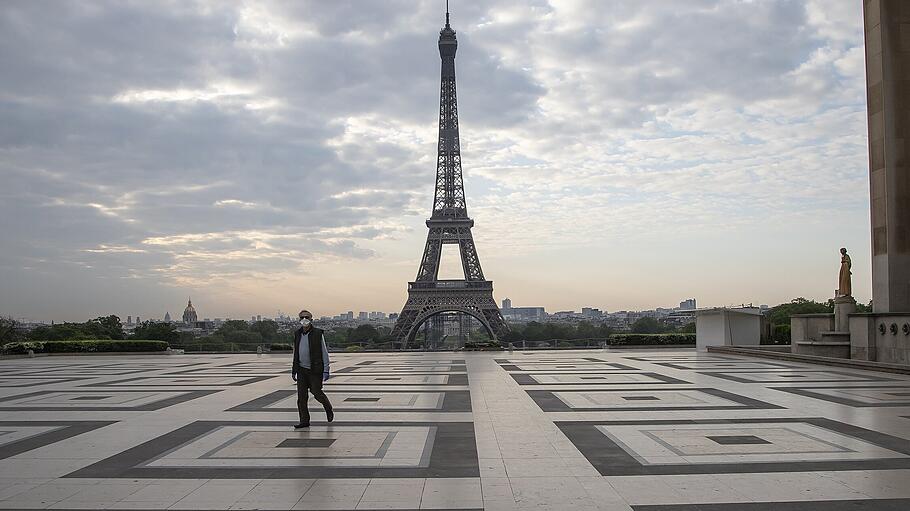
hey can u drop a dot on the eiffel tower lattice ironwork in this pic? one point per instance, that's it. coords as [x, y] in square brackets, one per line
[449, 224]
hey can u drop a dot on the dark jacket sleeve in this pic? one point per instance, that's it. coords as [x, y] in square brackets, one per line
[295, 363]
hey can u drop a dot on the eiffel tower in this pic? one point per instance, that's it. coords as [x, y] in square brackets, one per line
[429, 296]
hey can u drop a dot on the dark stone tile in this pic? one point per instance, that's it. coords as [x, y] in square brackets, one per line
[307, 442]
[737, 439]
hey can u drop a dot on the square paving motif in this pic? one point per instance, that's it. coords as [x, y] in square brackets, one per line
[17, 437]
[581, 367]
[610, 378]
[858, 397]
[802, 375]
[659, 399]
[372, 380]
[104, 400]
[366, 401]
[180, 381]
[266, 450]
[724, 364]
[710, 446]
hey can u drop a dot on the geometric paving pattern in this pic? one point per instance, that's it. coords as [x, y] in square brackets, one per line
[649, 430]
[17, 437]
[366, 401]
[106, 400]
[249, 450]
[591, 378]
[660, 399]
[796, 376]
[856, 396]
[734, 446]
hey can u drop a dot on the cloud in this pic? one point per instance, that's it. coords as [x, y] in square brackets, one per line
[206, 145]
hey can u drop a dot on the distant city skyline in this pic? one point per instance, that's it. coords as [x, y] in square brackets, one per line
[280, 156]
[358, 314]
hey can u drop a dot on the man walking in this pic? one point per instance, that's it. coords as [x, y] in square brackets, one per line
[310, 368]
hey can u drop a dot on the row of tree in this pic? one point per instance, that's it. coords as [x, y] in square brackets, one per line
[240, 332]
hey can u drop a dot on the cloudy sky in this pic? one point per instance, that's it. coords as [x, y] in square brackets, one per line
[265, 156]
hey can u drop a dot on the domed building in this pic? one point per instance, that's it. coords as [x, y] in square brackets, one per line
[189, 314]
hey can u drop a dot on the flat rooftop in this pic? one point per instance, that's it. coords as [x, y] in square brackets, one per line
[648, 430]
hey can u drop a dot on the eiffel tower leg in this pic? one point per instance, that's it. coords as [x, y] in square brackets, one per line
[469, 260]
[429, 264]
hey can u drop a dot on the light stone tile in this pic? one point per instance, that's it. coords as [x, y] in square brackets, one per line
[525, 461]
[450, 493]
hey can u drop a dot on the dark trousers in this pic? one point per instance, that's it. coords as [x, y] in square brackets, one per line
[308, 380]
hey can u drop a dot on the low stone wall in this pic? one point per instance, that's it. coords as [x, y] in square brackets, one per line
[882, 337]
[808, 327]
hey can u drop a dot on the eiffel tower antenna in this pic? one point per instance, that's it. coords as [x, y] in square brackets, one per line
[449, 223]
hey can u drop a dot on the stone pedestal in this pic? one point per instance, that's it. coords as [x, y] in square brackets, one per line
[843, 307]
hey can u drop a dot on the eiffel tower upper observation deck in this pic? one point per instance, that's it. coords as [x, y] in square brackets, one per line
[449, 224]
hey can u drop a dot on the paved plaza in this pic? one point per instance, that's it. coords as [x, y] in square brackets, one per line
[610, 430]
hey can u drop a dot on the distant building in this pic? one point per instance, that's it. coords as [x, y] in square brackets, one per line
[258, 317]
[591, 313]
[189, 313]
[167, 317]
[363, 316]
[522, 313]
[129, 320]
[138, 320]
[687, 305]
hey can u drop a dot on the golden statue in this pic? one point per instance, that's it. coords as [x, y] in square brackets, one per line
[844, 287]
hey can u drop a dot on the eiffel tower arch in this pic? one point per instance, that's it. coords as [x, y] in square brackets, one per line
[449, 223]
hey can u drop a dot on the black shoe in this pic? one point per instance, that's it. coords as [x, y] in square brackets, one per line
[329, 415]
[301, 425]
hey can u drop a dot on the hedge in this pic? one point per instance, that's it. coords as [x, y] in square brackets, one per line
[482, 346]
[87, 346]
[780, 334]
[281, 347]
[650, 339]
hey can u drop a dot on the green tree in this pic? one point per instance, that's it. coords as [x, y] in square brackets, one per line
[100, 328]
[780, 314]
[108, 326]
[268, 329]
[243, 337]
[10, 331]
[232, 325]
[688, 328]
[363, 333]
[157, 332]
[647, 325]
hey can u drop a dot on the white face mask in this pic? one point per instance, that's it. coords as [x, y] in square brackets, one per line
[305, 321]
